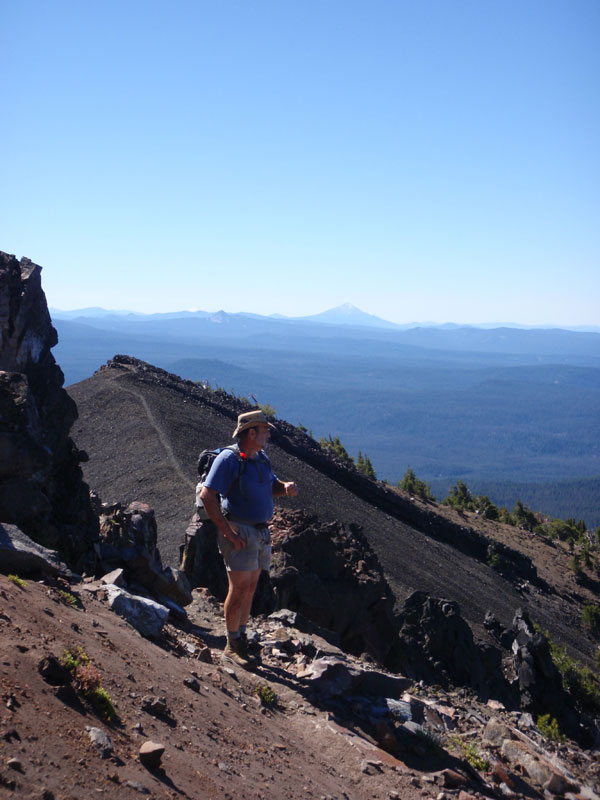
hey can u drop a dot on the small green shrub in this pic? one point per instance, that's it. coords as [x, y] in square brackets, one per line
[413, 485]
[103, 704]
[266, 695]
[68, 598]
[578, 679]
[87, 681]
[493, 560]
[363, 464]
[460, 497]
[18, 581]
[73, 659]
[470, 753]
[548, 727]
[590, 618]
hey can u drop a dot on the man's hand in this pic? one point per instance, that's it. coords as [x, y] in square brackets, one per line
[235, 539]
[210, 499]
[291, 490]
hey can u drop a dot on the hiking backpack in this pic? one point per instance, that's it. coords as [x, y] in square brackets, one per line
[205, 462]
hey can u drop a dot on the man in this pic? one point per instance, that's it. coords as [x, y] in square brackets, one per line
[247, 486]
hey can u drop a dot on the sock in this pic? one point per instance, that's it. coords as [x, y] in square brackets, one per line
[242, 630]
[232, 635]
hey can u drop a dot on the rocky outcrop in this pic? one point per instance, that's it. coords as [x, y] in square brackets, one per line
[437, 645]
[326, 572]
[128, 542]
[330, 574]
[540, 684]
[41, 485]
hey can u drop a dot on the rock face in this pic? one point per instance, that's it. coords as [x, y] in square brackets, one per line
[41, 485]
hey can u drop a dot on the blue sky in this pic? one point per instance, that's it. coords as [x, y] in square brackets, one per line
[433, 160]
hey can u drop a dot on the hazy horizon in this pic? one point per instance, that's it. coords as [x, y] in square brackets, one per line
[276, 314]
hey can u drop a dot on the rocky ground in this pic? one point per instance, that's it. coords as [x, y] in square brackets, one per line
[334, 726]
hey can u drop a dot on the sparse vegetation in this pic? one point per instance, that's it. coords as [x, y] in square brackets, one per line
[87, 682]
[18, 581]
[267, 409]
[590, 618]
[470, 753]
[333, 445]
[266, 695]
[363, 464]
[431, 740]
[548, 727]
[68, 598]
[493, 558]
[415, 486]
[578, 679]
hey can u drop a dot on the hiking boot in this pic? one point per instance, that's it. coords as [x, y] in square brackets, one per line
[250, 650]
[236, 652]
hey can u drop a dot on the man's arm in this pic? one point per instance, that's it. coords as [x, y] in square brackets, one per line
[212, 504]
[284, 488]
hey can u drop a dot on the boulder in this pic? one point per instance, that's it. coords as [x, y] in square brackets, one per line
[145, 615]
[128, 541]
[151, 754]
[21, 555]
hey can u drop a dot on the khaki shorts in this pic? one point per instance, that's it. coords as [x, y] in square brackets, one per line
[255, 555]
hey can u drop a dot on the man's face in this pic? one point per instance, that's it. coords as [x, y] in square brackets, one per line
[263, 433]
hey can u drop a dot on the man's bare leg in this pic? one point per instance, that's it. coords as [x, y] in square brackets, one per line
[238, 602]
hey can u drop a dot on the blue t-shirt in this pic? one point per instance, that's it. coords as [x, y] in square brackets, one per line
[251, 497]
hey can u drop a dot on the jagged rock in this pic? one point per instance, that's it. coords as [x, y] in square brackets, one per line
[101, 740]
[537, 767]
[301, 623]
[436, 645]
[330, 575]
[452, 779]
[115, 577]
[41, 486]
[156, 706]
[146, 616]
[200, 558]
[331, 676]
[151, 754]
[540, 683]
[496, 733]
[128, 538]
[334, 676]
[21, 555]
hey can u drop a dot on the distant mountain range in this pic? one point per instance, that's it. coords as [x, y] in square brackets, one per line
[345, 314]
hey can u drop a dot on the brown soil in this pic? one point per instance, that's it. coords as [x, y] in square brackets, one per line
[219, 741]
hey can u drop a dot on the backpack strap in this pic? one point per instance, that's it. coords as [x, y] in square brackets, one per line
[241, 466]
